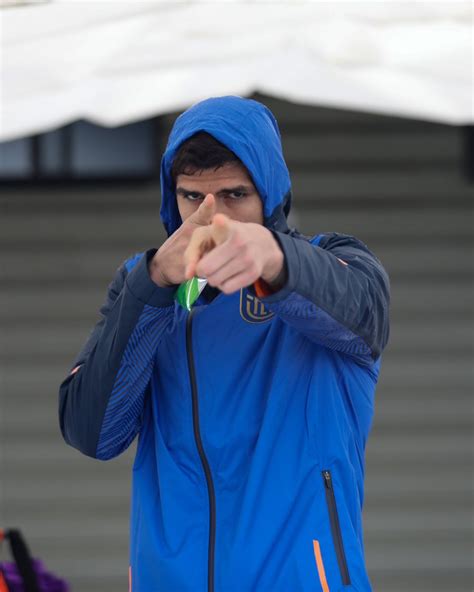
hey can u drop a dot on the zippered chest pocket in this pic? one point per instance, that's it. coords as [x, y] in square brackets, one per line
[335, 527]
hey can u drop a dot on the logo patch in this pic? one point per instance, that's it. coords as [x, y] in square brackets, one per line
[252, 310]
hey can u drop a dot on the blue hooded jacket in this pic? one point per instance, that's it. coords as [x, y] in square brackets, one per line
[252, 413]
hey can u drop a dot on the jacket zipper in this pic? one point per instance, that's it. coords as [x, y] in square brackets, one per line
[204, 461]
[336, 528]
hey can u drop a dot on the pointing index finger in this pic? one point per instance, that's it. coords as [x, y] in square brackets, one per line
[221, 228]
[201, 241]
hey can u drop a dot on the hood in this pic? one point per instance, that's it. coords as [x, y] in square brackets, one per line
[249, 129]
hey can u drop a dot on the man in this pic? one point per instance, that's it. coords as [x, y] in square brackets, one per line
[253, 409]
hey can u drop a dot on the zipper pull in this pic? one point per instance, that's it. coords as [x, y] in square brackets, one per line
[327, 479]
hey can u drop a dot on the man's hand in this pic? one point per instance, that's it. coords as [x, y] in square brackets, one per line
[167, 266]
[232, 255]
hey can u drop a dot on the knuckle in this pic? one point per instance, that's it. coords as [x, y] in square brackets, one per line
[246, 250]
[250, 267]
[248, 261]
[236, 240]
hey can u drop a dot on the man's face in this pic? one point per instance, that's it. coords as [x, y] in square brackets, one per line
[231, 185]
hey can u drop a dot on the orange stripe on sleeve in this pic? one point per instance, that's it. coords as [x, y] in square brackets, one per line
[262, 289]
[320, 566]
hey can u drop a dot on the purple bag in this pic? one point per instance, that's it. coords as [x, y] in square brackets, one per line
[26, 574]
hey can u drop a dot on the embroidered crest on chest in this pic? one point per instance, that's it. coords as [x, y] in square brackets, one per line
[252, 310]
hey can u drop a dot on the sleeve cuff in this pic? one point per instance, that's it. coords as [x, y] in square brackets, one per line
[292, 261]
[140, 284]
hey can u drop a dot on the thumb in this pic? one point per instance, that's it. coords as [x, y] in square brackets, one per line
[221, 228]
[203, 215]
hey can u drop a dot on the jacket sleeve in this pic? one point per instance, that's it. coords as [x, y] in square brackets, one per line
[101, 401]
[337, 293]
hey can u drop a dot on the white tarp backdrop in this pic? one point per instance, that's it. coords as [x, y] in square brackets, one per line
[117, 62]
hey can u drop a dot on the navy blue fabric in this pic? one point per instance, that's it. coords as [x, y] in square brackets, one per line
[123, 416]
[130, 263]
[84, 395]
[344, 307]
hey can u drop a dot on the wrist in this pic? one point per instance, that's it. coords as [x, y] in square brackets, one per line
[275, 272]
[156, 275]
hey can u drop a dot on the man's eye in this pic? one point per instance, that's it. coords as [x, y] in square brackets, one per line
[236, 195]
[193, 196]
